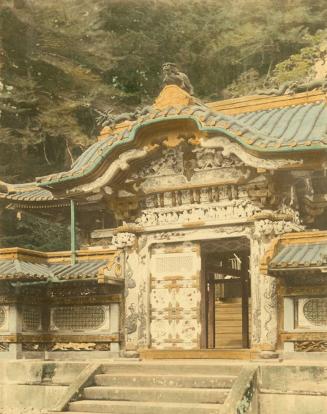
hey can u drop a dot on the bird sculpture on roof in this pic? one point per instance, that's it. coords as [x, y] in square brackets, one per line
[173, 76]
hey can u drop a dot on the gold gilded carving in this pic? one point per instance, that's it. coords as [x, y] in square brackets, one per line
[172, 95]
[269, 254]
[112, 270]
[70, 346]
[42, 338]
[310, 346]
[173, 140]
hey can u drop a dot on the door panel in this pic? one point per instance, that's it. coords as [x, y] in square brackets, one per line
[175, 296]
[228, 326]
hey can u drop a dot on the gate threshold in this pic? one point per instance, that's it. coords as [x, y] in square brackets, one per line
[245, 354]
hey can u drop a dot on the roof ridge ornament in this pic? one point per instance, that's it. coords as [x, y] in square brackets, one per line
[173, 76]
[177, 88]
[293, 87]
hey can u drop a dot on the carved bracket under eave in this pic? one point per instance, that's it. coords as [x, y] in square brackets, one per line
[112, 272]
[269, 254]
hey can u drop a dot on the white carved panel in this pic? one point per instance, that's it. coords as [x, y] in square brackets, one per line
[172, 264]
[175, 298]
[312, 313]
[79, 318]
[224, 211]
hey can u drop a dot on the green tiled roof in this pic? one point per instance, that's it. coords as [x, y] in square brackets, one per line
[18, 270]
[86, 269]
[299, 256]
[290, 126]
[283, 130]
[38, 194]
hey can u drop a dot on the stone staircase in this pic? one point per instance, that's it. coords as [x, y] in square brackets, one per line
[158, 387]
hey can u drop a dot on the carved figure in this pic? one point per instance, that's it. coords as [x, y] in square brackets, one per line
[172, 76]
[131, 320]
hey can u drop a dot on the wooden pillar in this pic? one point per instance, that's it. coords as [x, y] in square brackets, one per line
[245, 301]
[73, 231]
[211, 310]
[204, 307]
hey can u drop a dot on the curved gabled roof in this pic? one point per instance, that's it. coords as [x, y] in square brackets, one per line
[267, 126]
[281, 130]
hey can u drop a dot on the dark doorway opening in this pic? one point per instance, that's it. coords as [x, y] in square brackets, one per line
[225, 293]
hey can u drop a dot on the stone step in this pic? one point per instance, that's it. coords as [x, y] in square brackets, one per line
[171, 369]
[174, 395]
[135, 407]
[181, 381]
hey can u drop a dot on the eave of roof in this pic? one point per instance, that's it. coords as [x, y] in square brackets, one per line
[23, 265]
[85, 270]
[300, 252]
[28, 193]
[17, 270]
[303, 130]
[267, 126]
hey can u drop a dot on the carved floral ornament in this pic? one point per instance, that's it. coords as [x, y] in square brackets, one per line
[275, 228]
[122, 240]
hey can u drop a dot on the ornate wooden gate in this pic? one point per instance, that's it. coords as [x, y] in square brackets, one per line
[175, 296]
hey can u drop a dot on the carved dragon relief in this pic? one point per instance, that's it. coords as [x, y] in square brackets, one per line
[292, 87]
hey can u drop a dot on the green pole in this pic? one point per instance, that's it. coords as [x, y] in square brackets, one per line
[73, 232]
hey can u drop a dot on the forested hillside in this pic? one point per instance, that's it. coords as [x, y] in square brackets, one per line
[63, 62]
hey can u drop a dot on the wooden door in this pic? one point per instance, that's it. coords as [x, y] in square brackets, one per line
[227, 306]
[175, 296]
